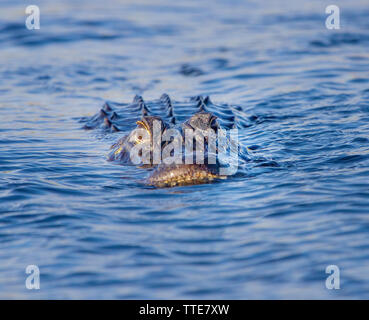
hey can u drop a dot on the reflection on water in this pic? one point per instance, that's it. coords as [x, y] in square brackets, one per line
[96, 232]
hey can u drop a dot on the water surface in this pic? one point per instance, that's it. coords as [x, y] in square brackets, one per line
[96, 232]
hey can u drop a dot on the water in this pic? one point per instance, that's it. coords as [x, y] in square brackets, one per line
[96, 232]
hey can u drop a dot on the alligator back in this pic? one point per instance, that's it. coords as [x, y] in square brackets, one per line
[122, 117]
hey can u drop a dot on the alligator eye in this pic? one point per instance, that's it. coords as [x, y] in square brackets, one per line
[139, 139]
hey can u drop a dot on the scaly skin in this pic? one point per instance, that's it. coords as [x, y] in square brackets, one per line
[169, 175]
[163, 175]
[183, 174]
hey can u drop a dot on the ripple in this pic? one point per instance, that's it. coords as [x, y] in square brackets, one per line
[298, 94]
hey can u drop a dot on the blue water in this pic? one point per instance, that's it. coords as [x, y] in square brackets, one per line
[94, 230]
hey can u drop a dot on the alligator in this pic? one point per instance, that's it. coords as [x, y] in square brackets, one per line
[140, 122]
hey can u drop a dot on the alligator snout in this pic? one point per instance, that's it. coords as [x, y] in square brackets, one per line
[183, 174]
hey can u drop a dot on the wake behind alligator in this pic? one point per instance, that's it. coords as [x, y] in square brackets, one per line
[136, 121]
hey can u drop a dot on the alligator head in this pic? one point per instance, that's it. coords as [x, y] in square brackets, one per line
[178, 153]
[190, 165]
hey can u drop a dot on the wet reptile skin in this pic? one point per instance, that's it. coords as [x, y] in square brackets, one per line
[197, 113]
